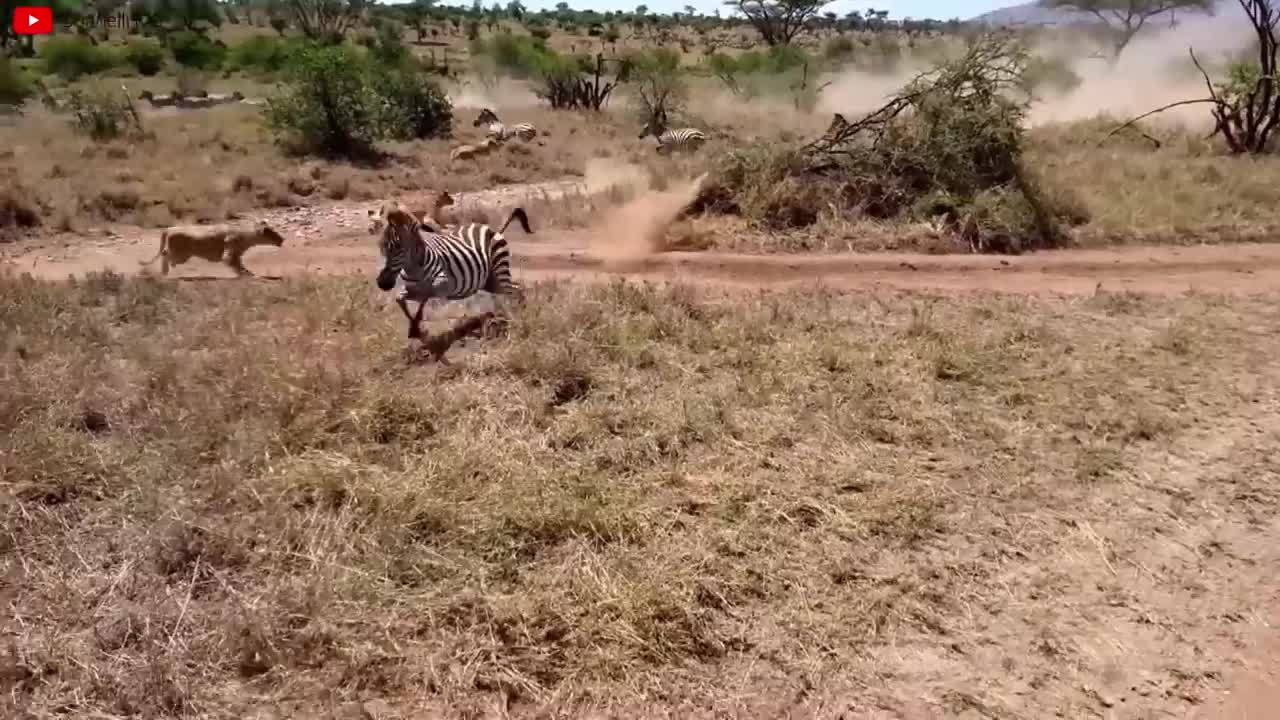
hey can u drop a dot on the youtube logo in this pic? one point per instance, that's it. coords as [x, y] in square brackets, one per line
[32, 20]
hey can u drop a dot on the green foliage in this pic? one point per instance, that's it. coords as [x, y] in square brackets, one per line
[263, 54]
[328, 105]
[1242, 78]
[15, 87]
[657, 86]
[754, 73]
[145, 56]
[386, 45]
[416, 107]
[194, 50]
[339, 101]
[524, 57]
[73, 57]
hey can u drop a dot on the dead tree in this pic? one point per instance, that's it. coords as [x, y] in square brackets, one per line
[1246, 108]
[574, 89]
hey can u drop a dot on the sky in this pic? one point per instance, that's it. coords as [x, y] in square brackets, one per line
[937, 9]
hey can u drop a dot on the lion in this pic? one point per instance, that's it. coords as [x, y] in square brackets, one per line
[428, 217]
[466, 152]
[214, 243]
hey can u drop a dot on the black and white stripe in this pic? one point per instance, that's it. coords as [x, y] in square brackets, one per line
[683, 139]
[451, 266]
[524, 131]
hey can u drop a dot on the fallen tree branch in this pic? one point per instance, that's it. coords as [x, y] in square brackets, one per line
[1161, 109]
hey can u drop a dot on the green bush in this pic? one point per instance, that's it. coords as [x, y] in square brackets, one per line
[338, 100]
[145, 56]
[73, 57]
[264, 54]
[15, 88]
[416, 107]
[193, 50]
[519, 55]
[328, 105]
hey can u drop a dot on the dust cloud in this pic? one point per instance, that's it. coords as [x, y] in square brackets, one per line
[1154, 70]
[603, 175]
[857, 92]
[634, 230]
[499, 95]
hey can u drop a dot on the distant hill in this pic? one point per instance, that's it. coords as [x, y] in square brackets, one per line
[1032, 13]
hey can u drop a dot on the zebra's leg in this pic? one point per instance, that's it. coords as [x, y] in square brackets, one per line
[415, 323]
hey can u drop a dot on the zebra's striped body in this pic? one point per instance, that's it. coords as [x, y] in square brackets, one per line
[451, 266]
[683, 139]
[524, 131]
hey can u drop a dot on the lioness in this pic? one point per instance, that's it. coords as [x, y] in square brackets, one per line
[466, 152]
[429, 216]
[215, 243]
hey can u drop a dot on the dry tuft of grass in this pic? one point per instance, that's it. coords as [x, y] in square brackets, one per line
[234, 499]
[1187, 191]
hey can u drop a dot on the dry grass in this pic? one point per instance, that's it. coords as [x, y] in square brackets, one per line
[1189, 190]
[221, 498]
[214, 164]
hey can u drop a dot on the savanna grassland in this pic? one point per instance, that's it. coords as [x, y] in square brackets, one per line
[629, 499]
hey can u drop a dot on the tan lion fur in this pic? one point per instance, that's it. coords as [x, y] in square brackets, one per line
[215, 243]
[436, 203]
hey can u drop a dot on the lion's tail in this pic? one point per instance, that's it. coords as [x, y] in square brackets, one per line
[164, 241]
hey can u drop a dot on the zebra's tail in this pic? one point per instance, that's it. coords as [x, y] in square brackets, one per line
[518, 214]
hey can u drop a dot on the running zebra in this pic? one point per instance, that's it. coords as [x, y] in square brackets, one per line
[684, 139]
[524, 131]
[451, 266]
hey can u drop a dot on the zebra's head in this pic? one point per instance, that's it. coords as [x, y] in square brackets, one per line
[487, 117]
[400, 230]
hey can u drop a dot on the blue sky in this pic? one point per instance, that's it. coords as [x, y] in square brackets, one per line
[940, 9]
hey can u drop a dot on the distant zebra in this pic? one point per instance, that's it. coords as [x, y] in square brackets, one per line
[160, 100]
[524, 131]
[452, 265]
[684, 139]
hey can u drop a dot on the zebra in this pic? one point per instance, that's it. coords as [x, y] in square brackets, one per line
[688, 139]
[524, 131]
[159, 100]
[451, 265]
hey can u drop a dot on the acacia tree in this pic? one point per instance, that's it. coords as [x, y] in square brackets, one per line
[1125, 18]
[778, 21]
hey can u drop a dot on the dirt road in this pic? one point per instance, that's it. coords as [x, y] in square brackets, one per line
[334, 239]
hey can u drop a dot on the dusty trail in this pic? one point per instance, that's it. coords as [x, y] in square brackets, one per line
[333, 239]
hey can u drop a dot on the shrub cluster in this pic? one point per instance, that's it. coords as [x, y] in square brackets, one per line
[949, 144]
[337, 101]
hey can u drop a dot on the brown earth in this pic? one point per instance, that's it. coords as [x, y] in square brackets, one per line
[1223, 552]
[333, 239]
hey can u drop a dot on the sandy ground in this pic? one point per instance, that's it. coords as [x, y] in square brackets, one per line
[334, 239]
